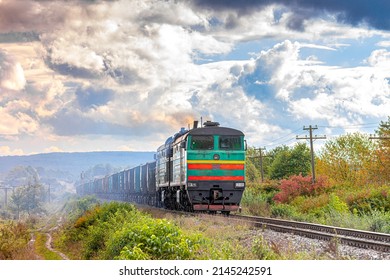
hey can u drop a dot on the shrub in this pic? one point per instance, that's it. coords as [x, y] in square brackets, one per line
[336, 204]
[262, 250]
[298, 185]
[368, 199]
[151, 239]
[270, 186]
[255, 203]
[77, 207]
[309, 204]
[380, 221]
[13, 241]
[118, 231]
[333, 212]
[284, 211]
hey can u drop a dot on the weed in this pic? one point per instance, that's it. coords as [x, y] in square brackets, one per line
[262, 251]
[14, 238]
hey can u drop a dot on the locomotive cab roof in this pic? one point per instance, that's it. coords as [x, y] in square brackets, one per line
[211, 130]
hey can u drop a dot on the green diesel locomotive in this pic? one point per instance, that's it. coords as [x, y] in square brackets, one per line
[201, 169]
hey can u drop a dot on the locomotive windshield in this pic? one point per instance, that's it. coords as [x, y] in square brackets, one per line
[202, 142]
[230, 143]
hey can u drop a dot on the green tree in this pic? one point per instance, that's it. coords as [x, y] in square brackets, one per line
[34, 197]
[252, 165]
[270, 158]
[288, 161]
[22, 175]
[28, 199]
[346, 159]
[17, 201]
[381, 173]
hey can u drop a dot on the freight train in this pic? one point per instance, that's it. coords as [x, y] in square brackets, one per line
[201, 169]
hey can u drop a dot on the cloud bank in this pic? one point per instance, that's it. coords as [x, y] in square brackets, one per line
[106, 75]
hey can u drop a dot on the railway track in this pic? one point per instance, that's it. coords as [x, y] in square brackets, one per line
[356, 238]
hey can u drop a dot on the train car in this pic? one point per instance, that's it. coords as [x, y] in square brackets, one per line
[127, 184]
[151, 179]
[105, 187]
[202, 169]
[121, 182]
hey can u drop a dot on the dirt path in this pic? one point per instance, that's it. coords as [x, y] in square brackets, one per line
[49, 244]
[31, 247]
[49, 241]
[50, 247]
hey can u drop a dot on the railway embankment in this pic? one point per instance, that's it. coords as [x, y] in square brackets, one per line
[119, 231]
[91, 230]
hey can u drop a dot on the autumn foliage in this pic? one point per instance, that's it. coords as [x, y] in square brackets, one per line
[352, 188]
[299, 185]
[347, 160]
[356, 160]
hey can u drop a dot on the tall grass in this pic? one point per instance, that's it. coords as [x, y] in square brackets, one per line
[14, 241]
[366, 207]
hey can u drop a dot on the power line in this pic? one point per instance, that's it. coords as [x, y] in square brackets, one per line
[275, 141]
[384, 137]
[352, 125]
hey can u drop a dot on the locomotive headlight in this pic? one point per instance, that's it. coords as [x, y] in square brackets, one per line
[240, 185]
[192, 185]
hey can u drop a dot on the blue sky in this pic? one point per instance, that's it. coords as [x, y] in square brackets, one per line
[125, 75]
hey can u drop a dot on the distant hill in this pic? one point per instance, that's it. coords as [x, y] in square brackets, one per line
[66, 166]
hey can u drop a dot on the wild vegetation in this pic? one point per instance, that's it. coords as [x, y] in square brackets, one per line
[119, 231]
[14, 237]
[352, 187]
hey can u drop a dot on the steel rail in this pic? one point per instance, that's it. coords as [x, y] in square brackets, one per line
[356, 238]
[352, 237]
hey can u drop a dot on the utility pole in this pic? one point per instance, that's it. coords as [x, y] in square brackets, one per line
[311, 138]
[261, 156]
[261, 163]
[49, 193]
[6, 194]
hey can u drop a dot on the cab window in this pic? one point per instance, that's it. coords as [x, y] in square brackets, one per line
[202, 142]
[230, 143]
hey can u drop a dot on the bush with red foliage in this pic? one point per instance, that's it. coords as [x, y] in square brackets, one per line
[298, 185]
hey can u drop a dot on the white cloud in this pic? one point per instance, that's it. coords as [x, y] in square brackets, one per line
[381, 59]
[7, 151]
[53, 149]
[126, 69]
[77, 56]
[315, 46]
[384, 44]
[310, 91]
[11, 73]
